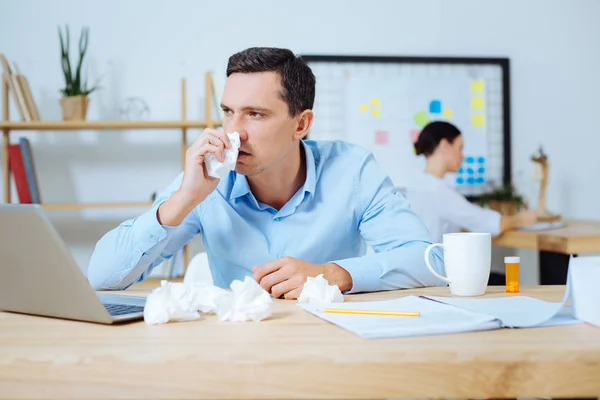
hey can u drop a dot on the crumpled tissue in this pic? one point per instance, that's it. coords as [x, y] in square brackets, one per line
[218, 169]
[318, 290]
[174, 301]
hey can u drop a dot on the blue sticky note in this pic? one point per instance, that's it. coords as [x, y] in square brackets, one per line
[481, 160]
[435, 107]
[460, 181]
[480, 180]
[481, 170]
[461, 170]
[471, 181]
[470, 171]
[470, 160]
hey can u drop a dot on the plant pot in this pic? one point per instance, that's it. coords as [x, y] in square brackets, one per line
[74, 108]
[505, 207]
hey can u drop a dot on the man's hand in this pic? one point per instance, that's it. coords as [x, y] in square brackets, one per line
[196, 184]
[286, 276]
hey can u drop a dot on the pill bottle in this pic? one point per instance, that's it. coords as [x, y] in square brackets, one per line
[512, 274]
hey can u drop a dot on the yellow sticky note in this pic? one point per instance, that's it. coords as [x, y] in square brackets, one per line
[478, 86]
[478, 120]
[364, 107]
[447, 113]
[477, 103]
[376, 113]
[376, 102]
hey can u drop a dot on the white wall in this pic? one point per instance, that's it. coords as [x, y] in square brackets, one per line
[142, 48]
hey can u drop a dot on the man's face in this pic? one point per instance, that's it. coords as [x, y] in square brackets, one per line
[252, 106]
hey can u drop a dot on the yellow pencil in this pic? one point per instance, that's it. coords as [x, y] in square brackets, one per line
[372, 312]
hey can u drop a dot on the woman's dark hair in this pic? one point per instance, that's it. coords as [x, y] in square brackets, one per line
[297, 79]
[432, 134]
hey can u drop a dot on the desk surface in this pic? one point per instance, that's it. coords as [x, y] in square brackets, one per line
[578, 237]
[292, 355]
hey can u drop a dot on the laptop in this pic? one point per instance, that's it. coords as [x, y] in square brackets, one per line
[38, 275]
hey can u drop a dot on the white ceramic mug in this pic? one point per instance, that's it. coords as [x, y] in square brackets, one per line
[468, 258]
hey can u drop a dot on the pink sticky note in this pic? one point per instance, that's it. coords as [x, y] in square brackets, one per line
[382, 137]
[414, 135]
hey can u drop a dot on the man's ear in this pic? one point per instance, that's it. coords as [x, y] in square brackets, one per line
[303, 124]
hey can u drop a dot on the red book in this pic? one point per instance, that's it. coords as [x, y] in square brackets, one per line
[15, 162]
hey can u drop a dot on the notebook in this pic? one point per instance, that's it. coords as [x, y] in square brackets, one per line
[444, 315]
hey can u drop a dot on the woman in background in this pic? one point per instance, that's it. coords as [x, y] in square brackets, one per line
[441, 207]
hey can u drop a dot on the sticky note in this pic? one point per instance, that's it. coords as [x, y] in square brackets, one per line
[448, 113]
[364, 107]
[421, 118]
[478, 86]
[435, 107]
[382, 137]
[376, 113]
[414, 135]
[478, 120]
[477, 103]
[376, 102]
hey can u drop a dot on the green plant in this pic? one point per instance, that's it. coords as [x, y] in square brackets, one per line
[74, 86]
[505, 193]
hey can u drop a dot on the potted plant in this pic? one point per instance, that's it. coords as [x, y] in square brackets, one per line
[504, 199]
[75, 99]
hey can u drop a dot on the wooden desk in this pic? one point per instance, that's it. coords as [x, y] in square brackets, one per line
[292, 355]
[556, 246]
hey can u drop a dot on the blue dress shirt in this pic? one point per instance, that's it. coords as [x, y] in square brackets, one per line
[346, 203]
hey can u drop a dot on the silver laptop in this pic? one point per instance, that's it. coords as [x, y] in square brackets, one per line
[38, 275]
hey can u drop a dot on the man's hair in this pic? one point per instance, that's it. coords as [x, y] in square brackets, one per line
[297, 79]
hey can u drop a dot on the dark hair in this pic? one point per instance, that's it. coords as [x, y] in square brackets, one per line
[432, 134]
[297, 79]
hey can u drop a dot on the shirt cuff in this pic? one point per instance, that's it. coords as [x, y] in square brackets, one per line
[149, 232]
[364, 278]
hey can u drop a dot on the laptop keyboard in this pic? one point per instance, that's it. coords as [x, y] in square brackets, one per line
[122, 309]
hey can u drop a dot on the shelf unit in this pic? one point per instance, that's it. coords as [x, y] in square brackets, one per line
[183, 125]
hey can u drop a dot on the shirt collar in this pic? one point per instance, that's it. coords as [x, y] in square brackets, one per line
[241, 188]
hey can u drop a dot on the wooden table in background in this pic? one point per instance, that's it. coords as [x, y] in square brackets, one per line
[293, 355]
[556, 246]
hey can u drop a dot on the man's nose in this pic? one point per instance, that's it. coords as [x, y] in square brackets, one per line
[243, 135]
[236, 124]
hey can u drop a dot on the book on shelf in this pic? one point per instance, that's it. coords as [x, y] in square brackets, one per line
[21, 91]
[30, 172]
[17, 167]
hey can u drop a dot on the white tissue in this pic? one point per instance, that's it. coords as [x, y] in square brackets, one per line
[248, 301]
[318, 290]
[218, 169]
[174, 301]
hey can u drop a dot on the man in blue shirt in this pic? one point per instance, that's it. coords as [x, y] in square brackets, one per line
[290, 210]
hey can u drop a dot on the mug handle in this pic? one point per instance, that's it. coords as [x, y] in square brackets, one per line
[427, 251]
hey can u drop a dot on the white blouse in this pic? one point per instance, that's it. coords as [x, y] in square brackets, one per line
[444, 210]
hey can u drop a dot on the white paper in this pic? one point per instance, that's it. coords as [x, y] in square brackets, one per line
[584, 272]
[218, 169]
[174, 301]
[543, 226]
[516, 311]
[436, 318]
[318, 290]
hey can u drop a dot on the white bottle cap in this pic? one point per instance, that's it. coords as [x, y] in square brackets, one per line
[512, 260]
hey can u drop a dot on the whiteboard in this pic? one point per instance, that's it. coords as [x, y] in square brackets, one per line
[382, 103]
